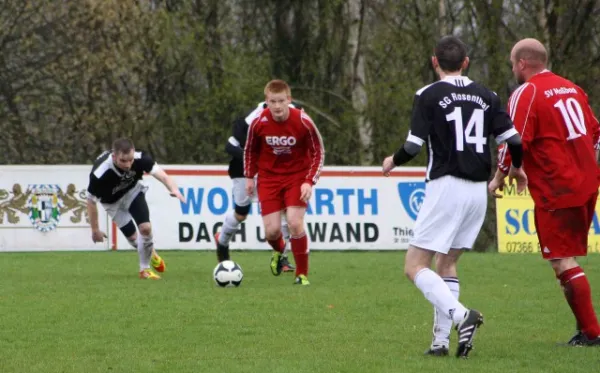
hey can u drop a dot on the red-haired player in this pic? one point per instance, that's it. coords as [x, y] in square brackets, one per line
[285, 149]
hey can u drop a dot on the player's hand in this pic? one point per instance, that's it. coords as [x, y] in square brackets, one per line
[388, 165]
[518, 175]
[98, 236]
[250, 187]
[496, 184]
[305, 192]
[177, 194]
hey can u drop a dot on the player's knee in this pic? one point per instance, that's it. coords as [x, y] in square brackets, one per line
[409, 272]
[145, 229]
[295, 226]
[241, 212]
[561, 265]
[240, 218]
[408, 269]
[296, 229]
[416, 260]
[129, 230]
[272, 234]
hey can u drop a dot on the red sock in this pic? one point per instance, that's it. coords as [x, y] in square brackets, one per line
[300, 251]
[577, 327]
[578, 294]
[277, 244]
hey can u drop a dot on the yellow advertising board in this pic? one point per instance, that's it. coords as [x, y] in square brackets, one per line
[516, 225]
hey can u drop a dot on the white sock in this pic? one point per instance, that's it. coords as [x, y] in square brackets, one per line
[145, 248]
[228, 229]
[442, 325]
[285, 231]
[438, 293]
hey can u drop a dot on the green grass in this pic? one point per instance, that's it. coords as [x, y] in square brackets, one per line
[88, 312]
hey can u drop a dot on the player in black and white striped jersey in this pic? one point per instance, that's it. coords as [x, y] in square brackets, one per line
[242, 202]
[454, 117]
[116, 182]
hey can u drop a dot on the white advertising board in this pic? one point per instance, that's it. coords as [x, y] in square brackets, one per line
[351, 208]
[43, 208]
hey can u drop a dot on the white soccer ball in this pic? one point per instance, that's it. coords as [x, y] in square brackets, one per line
[228, 274]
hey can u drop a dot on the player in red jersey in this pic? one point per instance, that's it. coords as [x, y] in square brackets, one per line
[560, 135]
[285, 149]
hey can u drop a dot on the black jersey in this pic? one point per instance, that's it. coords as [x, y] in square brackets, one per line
[108, 183]
[455, 118]
[236, 143]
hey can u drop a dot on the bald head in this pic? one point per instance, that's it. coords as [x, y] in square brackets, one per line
[530, 50]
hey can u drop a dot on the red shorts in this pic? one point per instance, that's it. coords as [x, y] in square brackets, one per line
[563, 233]
[277, 193]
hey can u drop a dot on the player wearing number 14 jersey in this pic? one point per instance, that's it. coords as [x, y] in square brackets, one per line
[454, 117]
[559, 133]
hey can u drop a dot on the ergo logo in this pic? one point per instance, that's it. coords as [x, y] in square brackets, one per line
[280, 140]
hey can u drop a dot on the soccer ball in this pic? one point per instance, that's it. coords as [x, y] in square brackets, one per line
[228, 274]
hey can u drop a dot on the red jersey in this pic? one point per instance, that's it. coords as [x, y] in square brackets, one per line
[559, 133]
[290, 147]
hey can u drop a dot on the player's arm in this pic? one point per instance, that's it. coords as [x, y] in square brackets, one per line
[251, 150]
[251, 154]
[514, 145]
[593, 124]
[521, 112]
[234, 149]
[406, 152]
[316, 150]
[92, 208]
[510, 157]
[420, 126]
[505, 132]
[234, 146]
[595, 132]
[160, 175]
[150, 166]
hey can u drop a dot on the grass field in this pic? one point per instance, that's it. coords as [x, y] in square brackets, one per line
[88, 312]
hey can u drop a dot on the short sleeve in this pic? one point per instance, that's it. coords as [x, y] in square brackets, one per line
[93, 188]
[147, 163]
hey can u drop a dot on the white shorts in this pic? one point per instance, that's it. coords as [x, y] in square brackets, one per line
[119, 211]
[451, 215]
[240, 197]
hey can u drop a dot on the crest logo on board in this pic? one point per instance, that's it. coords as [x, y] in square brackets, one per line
[412, 195]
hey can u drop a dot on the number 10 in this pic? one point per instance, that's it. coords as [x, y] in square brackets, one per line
[572, 115]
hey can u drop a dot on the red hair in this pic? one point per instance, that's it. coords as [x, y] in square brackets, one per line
[278, 86]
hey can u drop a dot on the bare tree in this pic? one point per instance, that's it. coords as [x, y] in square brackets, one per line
[356, 76]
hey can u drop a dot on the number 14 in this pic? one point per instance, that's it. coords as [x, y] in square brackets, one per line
[476, 121]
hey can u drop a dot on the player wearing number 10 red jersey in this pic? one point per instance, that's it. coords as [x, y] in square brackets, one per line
[559, 134]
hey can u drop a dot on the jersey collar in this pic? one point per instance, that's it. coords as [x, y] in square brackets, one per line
[543, 72]
[457, 80]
